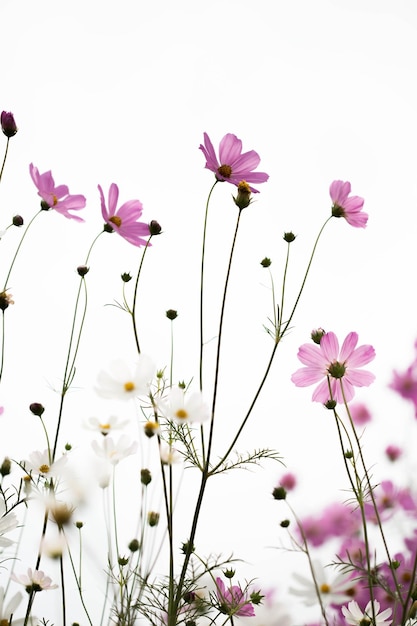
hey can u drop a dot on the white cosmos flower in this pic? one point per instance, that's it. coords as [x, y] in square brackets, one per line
[7, 610]
[104, 427]
[121, 384]
[182, 408]
[356, 617]
[34, 580]
[39, 463]
[8, 521]
[114, 452]
[333, 590]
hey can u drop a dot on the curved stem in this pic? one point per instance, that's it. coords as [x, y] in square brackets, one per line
[135, 295]
[5, 157]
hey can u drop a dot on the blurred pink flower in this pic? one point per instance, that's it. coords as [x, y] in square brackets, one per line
[57, 198]
[349, 208]
[125, 219]
[360, 414]
[334, 365]
[393, 452]
[288, 481]
[232, 600]
[405, 383]
[233, 166]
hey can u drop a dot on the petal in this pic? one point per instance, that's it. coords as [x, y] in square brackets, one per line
[113, 197]
[310, 354]
[329, 346]
[361, 356]
[306, 376]
[230, 149]
[348, 347]
[321, 392]
[359, 378]
[339, 191]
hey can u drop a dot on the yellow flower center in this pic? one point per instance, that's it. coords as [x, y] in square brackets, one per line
[115, 219]
[181, 414]
[55, 200]
[44, 469]
[325, 588]
[129, 386]
[225, 171]
[106, 428]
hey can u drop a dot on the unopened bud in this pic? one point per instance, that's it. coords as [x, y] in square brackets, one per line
[153, 518]
[36, 408]
[154, 228]
[317, 334]
[5, 467]
[82, 270]
[134, 545]
[145, 477]
[8, 125]
[279, 493]
[266, 262]
[17, 220]
[171, 314]
[243, 198]
[126, 277]
[289, 237]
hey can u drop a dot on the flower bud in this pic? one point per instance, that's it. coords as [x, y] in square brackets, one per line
[171, 314]
[134, 545]
[229, 573]
[5, 467]
[285, 523]
[330, 404]
[145, 477]
[8, 125]
[17, 220]
[36, 408]
[122, 560]
[289, 237]
[153, 518]
[82, 270]
[317, 334]
[5, 300]
[79, 525]
[243, 198]
[266, 262]
[186, 548]
[279, 493]
[256, 597]
[154, 228]
[151, 428]
[126, 277]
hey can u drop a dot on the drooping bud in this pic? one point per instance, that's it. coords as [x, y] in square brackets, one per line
[36, 408]
[8, 125]
[17, 220]
[154, 228]
[82, 270]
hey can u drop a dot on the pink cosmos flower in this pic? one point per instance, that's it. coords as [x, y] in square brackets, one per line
[393, 452]
[232, 600]
[233, 166]
[125, 219]
[405, 383]
[57, 198]
[360, 414]
[336, 366]
[349, 208]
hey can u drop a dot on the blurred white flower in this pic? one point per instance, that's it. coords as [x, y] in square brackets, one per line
[8, 610]
[34, 580]
[169, 455]
[104, 427]
[114, 452]
[356, 617]
[8, 521]
[182, 408]
[333, 590]
[121, 384]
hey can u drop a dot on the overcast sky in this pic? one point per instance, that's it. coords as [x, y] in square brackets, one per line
[122, 92]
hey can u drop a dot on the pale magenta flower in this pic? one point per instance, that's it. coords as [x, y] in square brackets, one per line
[356, 617]
[348, 207]
[336, 366]
[57, 198]
[232, 600]
[124, 220]
[233, 166]
[34, 581]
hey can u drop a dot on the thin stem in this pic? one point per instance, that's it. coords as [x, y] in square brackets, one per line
[135, 295]
[203, 250]
[5, 157]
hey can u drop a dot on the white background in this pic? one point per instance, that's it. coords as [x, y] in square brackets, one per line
[122, 92]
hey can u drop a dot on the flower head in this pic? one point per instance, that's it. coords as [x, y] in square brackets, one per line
[334, 590]
[232, 600]
[355, 616]
[8, 125]
[125, 219]
[349, 208]
[40, 463]
[104, 427]
[339, 368]
[181, 408]
[34, 581]
[115, 452]
[7, 610]
[57, 198]
[121, 383]
[233, 166]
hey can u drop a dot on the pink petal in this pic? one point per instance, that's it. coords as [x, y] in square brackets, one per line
[361, 356]
[348, 347]
[329, 346]
[230, 149]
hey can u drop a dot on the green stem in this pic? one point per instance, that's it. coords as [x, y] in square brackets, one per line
[135, 295]
[5, 157]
